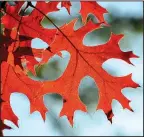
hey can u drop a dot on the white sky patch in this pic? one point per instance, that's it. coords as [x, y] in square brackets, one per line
[38, 59]
[129, 123]
[117, 67]
[38, 44]
[124, 9]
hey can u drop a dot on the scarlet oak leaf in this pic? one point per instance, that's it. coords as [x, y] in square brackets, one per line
[30, 25]
[13, 82]
[67, 5]
[88, 61]
[93, 7]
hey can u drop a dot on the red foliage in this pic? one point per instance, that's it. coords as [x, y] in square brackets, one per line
[88, 7]
[16, 49]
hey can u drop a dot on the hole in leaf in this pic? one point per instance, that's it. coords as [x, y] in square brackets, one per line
[38, 59]
[92, 18]
[20, 104]
[53, 102]
[117, 67]
[58, 17]
[54, 68]
[97, 37]
[78, 24]
[38, 44]
[61, 17]
[88, 92]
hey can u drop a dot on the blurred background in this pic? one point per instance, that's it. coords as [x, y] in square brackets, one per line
[124, 18]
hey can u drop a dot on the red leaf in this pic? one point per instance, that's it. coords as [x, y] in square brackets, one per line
[93, 7]
[30, 25]
[13, 82]
[88, 61]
